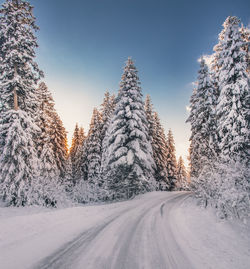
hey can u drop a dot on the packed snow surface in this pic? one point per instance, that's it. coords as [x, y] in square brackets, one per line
[155, 230]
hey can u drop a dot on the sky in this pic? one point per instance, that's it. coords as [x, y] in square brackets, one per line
[84, 44]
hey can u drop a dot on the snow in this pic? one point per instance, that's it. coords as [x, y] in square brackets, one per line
[154, 230]
[209, 241]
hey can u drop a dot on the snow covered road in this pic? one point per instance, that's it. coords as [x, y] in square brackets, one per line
[134, 238]
[153, 231]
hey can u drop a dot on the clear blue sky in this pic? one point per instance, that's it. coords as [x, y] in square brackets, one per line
[84, 44]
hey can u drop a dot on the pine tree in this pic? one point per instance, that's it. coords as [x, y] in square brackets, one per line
[94, 147]
[160, 153]
[129, 161]
[224, 184]
[75, 142]
[82, 136]
[171, 160]
[60, 146]
[76, 152]
[19, 72]
[92, 150]
[202, 118]
[150, 116]
[181, 183]
[234, 99]
[45, 117]
[73, 151]
[50, 188]
[18, 159]
[107, 109]
[193, 150]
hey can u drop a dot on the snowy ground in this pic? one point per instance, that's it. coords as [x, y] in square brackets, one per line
[156, 230]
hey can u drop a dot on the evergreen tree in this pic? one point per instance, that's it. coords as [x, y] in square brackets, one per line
[203, 122]
[45, 117]
[107, 109]
[94, 147]
[194, 144]
[76, 152]
[50, 189]
[75, 142]
[224, 184]
[129, 160]
[159, 145]
[171, 160]
[59, 146]
[82, 136]
[18, 159]
[19, 72]
[150, 117]
[160, 153]
[234, 99]
[181, 183]
[92, 150]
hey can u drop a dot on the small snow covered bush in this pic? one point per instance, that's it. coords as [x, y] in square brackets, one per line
[227, 188]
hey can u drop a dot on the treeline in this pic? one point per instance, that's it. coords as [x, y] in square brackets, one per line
[124, 153]
[219, 117]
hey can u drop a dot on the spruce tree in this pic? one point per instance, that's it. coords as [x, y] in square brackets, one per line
[150, 116]
[203, 122]
[181, 183]
[75, 142]
[73, 151]
[194, 144]
[60, 146]
[94, 147]
[129, 154]
[234, 97]
[19, 72]
[45, 117]
[50, 188]
[107, 109]
[18, 159]
[160, 153]
[171, 161]
[224, 184]
[76, 152]
[159, 145]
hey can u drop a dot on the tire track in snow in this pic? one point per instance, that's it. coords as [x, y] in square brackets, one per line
[65, 255]
[135, 238]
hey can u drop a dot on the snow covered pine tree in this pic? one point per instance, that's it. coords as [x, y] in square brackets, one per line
[19, 75]
[233, 121]
[171, 161]
[129, 154]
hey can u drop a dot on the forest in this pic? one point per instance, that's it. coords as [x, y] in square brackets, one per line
[125, 151]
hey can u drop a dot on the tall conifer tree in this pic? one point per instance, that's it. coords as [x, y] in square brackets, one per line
[19, 71]
[171, 160]
[181, 183]
[160, 153]
[234, 95]
[203, 122]
[129, 153]
[19, 74]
